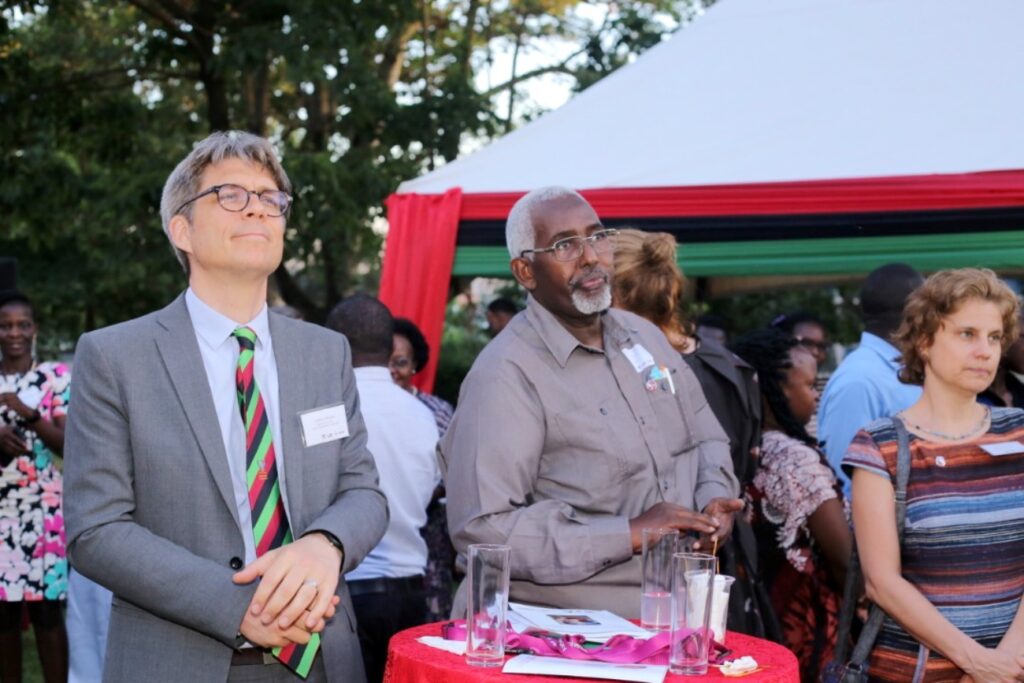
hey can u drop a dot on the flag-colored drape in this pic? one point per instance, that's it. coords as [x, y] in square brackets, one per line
[418, 258]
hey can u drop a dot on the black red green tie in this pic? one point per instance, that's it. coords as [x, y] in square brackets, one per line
[269, 522]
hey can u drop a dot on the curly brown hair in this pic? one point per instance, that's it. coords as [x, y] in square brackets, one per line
[648, 280]
[940, 296]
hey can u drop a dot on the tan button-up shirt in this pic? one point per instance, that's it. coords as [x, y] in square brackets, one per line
[555, 446]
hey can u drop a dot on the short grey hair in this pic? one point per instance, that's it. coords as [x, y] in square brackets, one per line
[520, 233]
[183, 183]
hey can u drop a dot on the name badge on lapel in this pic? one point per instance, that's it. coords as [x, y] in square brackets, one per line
[320, 425]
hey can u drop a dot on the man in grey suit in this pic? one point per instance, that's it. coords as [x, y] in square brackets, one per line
[209, 435]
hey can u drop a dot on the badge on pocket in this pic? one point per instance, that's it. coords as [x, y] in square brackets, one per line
[660, 378]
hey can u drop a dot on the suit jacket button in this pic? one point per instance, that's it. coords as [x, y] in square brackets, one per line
[235, 563]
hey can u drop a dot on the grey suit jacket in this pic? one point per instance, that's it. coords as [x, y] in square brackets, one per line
[148, 503]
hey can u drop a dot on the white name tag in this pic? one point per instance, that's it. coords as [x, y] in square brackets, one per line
[321, 425]
[1004, 448]
[640, 357]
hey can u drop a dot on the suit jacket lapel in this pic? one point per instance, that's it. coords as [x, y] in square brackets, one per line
[184, 364]
[291, 384]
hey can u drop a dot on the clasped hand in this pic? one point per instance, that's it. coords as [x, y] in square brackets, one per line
[714, 524]
[994, 665]
[11, 443]
[295, 596]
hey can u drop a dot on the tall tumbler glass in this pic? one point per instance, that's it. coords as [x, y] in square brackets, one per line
[692, 580]
[487, 578]
[656, 592]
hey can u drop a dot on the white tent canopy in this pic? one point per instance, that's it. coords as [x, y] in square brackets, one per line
[782, 90]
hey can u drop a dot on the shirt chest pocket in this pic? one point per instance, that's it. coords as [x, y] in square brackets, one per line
[582, 453]
[674, 418]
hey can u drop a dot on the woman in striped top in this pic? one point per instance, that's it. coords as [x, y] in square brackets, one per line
[952, 586]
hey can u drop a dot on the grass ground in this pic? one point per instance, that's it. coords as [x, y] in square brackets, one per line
[31, 672]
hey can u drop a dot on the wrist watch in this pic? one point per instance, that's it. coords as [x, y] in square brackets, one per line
[334, 540]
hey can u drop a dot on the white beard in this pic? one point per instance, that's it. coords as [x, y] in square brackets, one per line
[591, 304]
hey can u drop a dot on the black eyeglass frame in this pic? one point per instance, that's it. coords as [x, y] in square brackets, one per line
[812, 344]
[248, 197]
[592, 239]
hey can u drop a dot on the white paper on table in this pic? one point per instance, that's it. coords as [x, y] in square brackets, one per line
[595, 625]
[556, 666]
[456, 647]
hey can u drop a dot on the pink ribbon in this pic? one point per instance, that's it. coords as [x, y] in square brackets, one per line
[620, 649]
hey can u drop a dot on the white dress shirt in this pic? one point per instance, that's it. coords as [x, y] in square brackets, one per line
[402, 436]
[220, 351]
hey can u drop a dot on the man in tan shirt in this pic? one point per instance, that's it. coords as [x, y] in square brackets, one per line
[579, 426]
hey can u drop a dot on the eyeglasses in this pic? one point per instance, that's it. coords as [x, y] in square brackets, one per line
[812, 344]
[571, 248]
[235, 198]
[400, 363]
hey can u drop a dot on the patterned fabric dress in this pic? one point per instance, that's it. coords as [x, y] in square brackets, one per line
[963, 543]
[792, 481]
[33, 564]
[438, 577]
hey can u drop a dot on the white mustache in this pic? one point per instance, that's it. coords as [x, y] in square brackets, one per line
[575, 282]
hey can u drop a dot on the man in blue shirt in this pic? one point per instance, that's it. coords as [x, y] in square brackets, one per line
[865, 386]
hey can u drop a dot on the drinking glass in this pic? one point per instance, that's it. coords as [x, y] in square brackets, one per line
[656, 590]
[692, 576]
[487, 577]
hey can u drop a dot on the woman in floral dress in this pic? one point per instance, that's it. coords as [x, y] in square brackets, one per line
[33, 565]
[804, 538]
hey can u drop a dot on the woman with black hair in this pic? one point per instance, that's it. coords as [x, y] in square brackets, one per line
[33, 565]
[409, 356]
[804, 536]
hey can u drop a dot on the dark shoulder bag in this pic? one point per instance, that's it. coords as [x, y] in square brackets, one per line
[855, 669]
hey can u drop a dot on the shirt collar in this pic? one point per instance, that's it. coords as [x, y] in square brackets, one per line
[374, 373]
[560, 342]
[214, 328]
[889, 353]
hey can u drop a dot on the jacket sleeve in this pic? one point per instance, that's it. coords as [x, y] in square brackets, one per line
[715, 477]
[105, 543]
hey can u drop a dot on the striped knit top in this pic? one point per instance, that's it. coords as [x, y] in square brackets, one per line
[963, 543]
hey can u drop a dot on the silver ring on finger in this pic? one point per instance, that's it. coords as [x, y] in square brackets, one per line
[311, 582]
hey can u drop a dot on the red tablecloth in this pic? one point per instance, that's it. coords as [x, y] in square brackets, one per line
[412, 662]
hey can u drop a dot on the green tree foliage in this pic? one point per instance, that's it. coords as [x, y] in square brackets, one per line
[100, 99]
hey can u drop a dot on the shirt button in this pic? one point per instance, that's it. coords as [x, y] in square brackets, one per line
[235, 563]
[606, 563]
[604, 411]
[643, 421]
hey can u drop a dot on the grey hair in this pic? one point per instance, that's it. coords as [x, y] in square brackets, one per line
[183, 183]
[520, 233]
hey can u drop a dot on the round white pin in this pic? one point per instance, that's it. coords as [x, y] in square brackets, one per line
[940, 461]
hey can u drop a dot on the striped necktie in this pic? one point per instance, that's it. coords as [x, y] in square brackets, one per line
[269, 522]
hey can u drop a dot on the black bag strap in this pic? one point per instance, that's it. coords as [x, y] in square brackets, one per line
[746, 547]
[853, 573]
